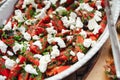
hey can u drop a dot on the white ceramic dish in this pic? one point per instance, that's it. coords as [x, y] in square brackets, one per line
[7, 9]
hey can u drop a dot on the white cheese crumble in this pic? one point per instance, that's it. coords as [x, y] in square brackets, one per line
[60, 42]
[17, 60]
[69, 38]
[9, 63]
[10, 53]
[79, 23]
[65, 21]
[60, 10]
[50, 38]
[47, 4]
[30, 69]
[83, 33]
[5, 57]
[55, 52]
[27, 2]
[16, 47]
[35, 37]
[87, 42]
[51, 30]
[84, 6]
[2, 77]
[64, 31]
[37, 56]
[71, 21]
[92, 24]
[19, 16]
[41, 15]
[98, 4]
[30, 21]
[22, 29]
[53, 1]
[72, 27]
[8, 26]
[3, 47]
[73, 15]
[44, 60]
[97, 15]
[38, 44]
[27, 36]
[62, 1]
[72, 53]
[97, 18]
[80, 55]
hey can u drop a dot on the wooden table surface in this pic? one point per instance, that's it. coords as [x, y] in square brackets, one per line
[97, 72]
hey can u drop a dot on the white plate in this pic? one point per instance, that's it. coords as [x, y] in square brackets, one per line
[7, 10]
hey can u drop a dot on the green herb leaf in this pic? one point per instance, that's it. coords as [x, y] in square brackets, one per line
[17, 37]
[20, 24]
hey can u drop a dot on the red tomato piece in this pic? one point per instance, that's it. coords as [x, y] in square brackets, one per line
[35, 49]
[22, 59]
[8, 41]
[30, 57]
[14, 71]
[23, 76]
[69, 2]
[39, 30]
[62, 58]
[4, 72]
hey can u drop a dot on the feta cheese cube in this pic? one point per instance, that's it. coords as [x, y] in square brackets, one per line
[79, 23]
[44, 60]
[10, 53]
[30, 69]
[60, 42]
[27, 36]
[69, 38]
[8, 26]
[55, 52]
[83, 33]
[92, 24]
[60, 10]
[72, 53]
[2, 77]
[87, 43]
[84, 6]
[37, 56]
[22, 29]
[35, 37]
[51, 30]
[47, 4]
[38, 43]
[3, 47]
[19, 16]
[98, 4]
[16, 47]
[30, 21]
[9, 63]
[41, 15]
[27, 2]
[80, 55]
